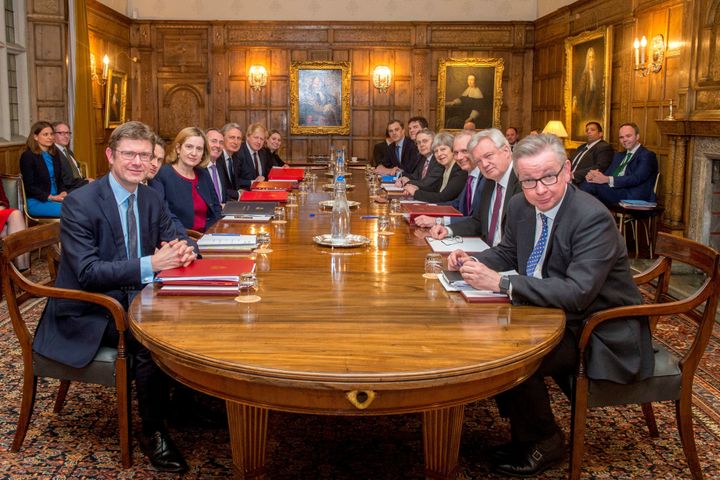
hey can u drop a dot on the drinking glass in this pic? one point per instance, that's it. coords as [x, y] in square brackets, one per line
[263, 241]
[292, 199]
[395, 206]
[383, 225]
[248, 288]
[372, 189]
[304, 187]
[433, 265]
[279, 215]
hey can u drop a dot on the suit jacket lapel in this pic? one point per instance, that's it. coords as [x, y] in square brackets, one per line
[109, 207]
[526, 237]
[569, 194]
[486, 196]
[147, 246]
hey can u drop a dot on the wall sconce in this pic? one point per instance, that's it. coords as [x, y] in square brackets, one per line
[382, 78]
[257, 77]
[93, 73]
[657, 55]
[556, 127]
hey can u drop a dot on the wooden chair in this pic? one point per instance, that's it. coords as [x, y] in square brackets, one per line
[640, 216]
[194, 234]
[22, 202]
[109, 367]
[673, 377]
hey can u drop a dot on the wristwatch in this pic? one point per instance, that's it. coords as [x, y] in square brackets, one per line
[504, 283]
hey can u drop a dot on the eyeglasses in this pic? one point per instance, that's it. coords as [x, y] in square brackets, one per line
[547, 180]
[129, 155]
[63, 133]
[452, 240]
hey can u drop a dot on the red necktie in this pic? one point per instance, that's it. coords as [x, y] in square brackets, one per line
[495, 214]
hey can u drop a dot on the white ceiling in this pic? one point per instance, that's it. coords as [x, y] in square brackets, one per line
[338, 10]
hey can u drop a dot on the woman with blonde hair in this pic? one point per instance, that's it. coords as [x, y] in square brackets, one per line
[186, 184]
[453, 177]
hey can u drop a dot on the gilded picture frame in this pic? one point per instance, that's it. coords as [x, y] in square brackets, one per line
[469, 88]
[588, 66]
[115, 99]
[320, 98]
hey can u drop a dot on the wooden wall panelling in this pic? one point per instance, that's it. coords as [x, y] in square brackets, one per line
[10, 157]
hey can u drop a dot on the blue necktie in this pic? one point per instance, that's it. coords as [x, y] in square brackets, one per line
[538, 249]
[398, 152]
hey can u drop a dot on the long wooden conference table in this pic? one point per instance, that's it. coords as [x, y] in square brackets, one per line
[344, 332]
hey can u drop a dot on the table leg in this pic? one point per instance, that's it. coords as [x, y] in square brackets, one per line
[441, 440]
[248, 434]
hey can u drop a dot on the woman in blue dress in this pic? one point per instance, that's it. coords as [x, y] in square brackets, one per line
[40, 169]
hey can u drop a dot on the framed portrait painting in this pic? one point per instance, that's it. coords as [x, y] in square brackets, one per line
[115, 99]
[469, 89]
[320, 98]
[587, 82]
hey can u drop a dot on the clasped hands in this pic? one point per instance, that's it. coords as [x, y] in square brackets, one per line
[475, 273]
[172, 254]
[596, 176]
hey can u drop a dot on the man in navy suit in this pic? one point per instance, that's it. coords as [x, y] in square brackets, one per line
[115, 233]
[255, 163]
[630, 176]
[468, 200]
[491, 152]
[569, 255]
[228, 163]
[402, 154]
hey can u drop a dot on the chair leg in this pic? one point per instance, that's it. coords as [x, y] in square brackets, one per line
[26, 410]
[61, 394]
[124, 409]
[683, 414]
[650, 419]
[577, 424]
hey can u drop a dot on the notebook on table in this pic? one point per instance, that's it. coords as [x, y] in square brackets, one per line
[429, 209]
[248, 211]
[264, 196]
[206, 276]
[289, 173]
[285, 185]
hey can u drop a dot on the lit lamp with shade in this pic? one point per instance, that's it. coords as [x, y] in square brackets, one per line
[556, 128]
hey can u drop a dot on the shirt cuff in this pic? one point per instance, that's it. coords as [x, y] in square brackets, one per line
[146, 271]
[446, 221]
[449, 232]
[611, 181]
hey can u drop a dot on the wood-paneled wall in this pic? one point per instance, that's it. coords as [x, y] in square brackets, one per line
[195, 73]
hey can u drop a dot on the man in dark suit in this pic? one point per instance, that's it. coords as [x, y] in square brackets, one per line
[216, 144]
[596, 154]
[402, 154]
[630, 176]
[229, 164]
[255, 163]
[428, 174]
[115, 233]
[380, 151]
[469, 197]
[570, 255]
[71, 174]
[491, 152]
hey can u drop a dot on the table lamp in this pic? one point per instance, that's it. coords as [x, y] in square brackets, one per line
[556, 128]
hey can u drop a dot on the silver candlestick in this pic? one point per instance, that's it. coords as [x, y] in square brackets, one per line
[670, 113]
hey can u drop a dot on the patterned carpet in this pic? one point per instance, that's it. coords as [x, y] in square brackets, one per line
[81, 442]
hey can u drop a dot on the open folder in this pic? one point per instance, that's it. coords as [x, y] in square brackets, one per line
[450, 244]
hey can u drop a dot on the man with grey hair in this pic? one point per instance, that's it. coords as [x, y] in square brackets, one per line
[491, 153]
[569, 255]
[229, 163]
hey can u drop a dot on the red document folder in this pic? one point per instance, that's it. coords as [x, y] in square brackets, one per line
[274, 185]
[417, 209]
[279, 173]
[264, 196]
[208, 271]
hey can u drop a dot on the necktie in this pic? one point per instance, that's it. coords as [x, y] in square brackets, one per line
[425, 168]
[398, 153]
[618, 171]
[468, 195]
[71, 161]
[257, 164]
[539, 248]
[495, 214]
[132, 243]
[578, 155]
[228, 162]
[214, 176]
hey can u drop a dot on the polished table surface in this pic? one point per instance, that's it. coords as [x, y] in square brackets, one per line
[344, 332]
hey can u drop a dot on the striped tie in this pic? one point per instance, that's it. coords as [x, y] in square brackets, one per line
[538, 249]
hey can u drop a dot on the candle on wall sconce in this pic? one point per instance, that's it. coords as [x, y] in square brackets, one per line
[101, 80]
[257, 77]
[657, 55]
[382, 78]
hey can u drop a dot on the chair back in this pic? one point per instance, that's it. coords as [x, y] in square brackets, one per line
[12, 185]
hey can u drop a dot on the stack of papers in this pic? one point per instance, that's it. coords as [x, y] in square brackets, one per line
[248, 211]
[227, 242]
[637, 204]
[452, 281]
[205, 277]
[450, 244]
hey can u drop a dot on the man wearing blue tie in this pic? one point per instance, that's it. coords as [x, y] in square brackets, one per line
[570, 255]
[402, 154]
[115, 234]
[630, 176]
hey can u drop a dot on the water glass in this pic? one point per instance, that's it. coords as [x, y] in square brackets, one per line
[248, 288]
[303, 187]
[263, 241]
[433, 263]
[395, 206]
[292, 199]
[383, 223]
[372, 189]
[279, 215]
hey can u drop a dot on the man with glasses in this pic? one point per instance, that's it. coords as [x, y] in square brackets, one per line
[569, 255]
[71, 172]
[491, 152]
[115, 234]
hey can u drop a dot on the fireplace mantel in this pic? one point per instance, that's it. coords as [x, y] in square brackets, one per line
[689, 128]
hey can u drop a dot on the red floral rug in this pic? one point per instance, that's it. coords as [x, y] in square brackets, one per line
[81, 442]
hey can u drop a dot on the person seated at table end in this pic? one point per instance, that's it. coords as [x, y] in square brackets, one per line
[570, 256]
